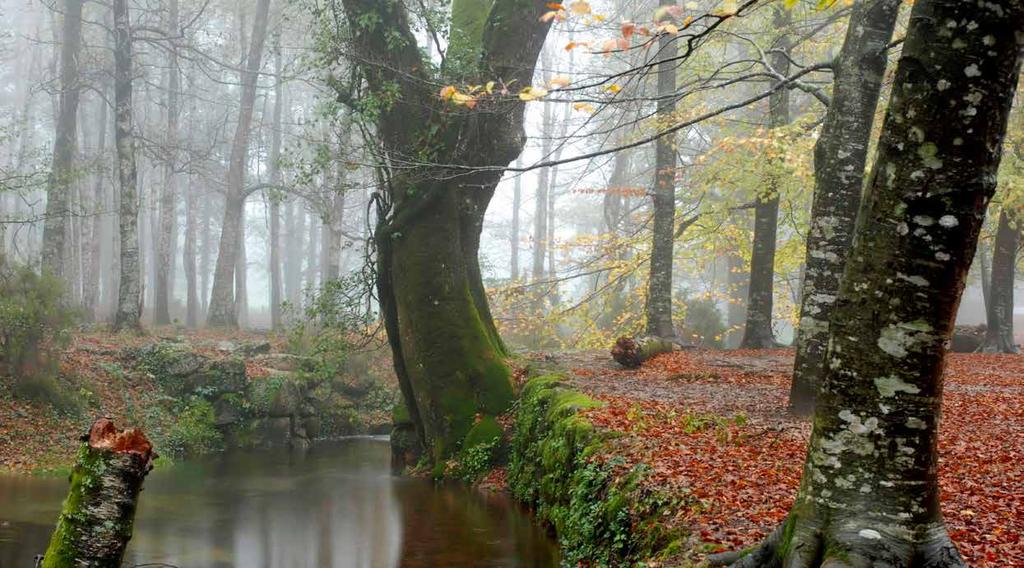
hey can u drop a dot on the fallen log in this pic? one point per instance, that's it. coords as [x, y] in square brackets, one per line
[96, 521]
[631, 352]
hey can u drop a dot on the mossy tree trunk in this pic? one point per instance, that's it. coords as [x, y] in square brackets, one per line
[839, 159]
[447, 353]
[999, 334]
[96, 521]
[870, 494]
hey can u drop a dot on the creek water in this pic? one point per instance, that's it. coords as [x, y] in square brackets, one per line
[335, 506]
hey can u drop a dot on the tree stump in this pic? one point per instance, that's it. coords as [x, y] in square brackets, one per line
[96, 521]
[631, 352]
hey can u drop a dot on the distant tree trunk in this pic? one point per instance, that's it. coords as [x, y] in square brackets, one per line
[93, 268]
[513, 237]
[275, 200]
[96, 521]
[163, 293]
[59, 183]
[204, 259]
[738, 283]
[222, 312]
[295, 223]
[659, 286]
[188, 257]
[312, 254]
[839, 158]
[241, 276]
[331, 266]
[540, 206]
[985, 268]
[758, 332]
[869, 495]
[129, 297]
[999, 334]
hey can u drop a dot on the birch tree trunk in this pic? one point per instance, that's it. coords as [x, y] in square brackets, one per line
[93, 265]
[129, 298]
[839, 159]
[59, 182]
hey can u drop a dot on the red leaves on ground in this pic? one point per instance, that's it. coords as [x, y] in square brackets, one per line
[713, 425]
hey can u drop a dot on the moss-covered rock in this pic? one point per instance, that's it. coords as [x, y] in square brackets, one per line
[182, 372]
[563, 467]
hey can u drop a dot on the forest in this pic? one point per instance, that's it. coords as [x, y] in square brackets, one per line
[511, 283]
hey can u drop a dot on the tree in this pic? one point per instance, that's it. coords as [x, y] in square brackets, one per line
[58, 187]
[275, 201]
[659, 288]
[129, 296]
[869, 494]
[999, 333]
[839, 159]
[447, 353]
[222, 311]
[757, 333]
[163, 294]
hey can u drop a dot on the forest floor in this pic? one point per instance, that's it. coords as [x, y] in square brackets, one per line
[713, 425]
[42, 438]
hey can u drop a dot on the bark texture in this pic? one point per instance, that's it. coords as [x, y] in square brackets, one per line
[129, 297]
[839, 159]
[659, 288]
[447, 353]
[96, 521]
[999, 334]
[58, 185]
[869, 495]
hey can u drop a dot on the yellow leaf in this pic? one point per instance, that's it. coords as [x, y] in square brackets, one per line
[729, 8]
[559, 82]
[613, 88]
[584, 107]
[691, 6]
[548, 16]
[464, 99]
[789, 4]
[670, 29]
[532, 94]
[489, 87]
[447, 92]
[555, 6]
[580, 7]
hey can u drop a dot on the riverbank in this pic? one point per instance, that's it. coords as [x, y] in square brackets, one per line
[695, 453]
[193, 393]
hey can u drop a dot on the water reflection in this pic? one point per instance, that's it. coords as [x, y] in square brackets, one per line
[333, 507]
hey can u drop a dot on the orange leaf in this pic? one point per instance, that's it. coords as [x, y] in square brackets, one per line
[627, 29]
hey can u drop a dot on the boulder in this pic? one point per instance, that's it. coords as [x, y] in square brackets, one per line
[182, 372]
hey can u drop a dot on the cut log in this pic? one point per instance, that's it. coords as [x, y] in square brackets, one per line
[631, 352]
[96, 521]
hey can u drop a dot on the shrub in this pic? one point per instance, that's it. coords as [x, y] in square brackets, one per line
[704, 323]
[34, 322]
[195, 431]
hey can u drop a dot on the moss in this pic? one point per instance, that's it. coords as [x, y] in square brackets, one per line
[599, 508]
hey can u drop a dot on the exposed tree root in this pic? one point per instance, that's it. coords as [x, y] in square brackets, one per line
[807, 544]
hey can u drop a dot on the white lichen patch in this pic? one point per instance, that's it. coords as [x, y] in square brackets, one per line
[972, 70]
[916, 423]
[870, 534]
[889, 386]
[897, 340]
[948, 221]
[942, 256]
[915, 280]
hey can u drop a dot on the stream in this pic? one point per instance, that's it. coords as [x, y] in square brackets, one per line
[335, 506]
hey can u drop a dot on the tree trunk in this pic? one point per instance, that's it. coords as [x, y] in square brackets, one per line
[275, 200]
[312, 254]
[447, 354]
[540, 206]
[95, 524]
[999, 334]
[93, 268]
[631, 352]
[870, 493]
[188, 258]
[242, 276]
[513, 237]
[129, 297]
[204, 261]
[222, 312]
[758, 333]
[659, 287]
[839, 158]
[164, 289]
[295, 227]
[59, 183]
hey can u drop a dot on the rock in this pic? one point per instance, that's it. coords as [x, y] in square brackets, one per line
[312, 427]
[226, 412]
[182, 372]
[253, 348]
[282, 362]
[273, 431]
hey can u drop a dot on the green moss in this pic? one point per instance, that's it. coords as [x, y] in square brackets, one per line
[600, 509]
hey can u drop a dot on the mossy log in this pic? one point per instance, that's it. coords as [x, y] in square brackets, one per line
[95, 524]
[631, 352]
